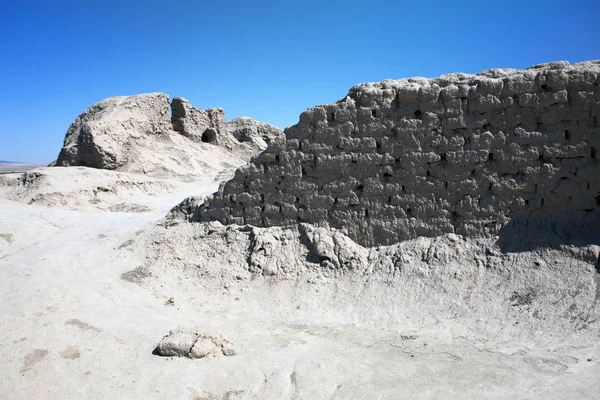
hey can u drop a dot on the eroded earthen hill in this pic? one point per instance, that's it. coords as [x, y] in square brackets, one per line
[149, 134]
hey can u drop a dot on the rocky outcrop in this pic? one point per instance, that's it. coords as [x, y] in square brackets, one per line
[460, 153]
[147, 134]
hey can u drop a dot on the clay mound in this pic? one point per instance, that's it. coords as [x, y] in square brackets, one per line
[463, 154]
[102, 136]
[146, 134]
[476, 281]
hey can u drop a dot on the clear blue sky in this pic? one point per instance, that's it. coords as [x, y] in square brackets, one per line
[266, 59]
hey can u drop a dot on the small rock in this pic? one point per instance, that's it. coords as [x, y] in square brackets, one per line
[203, 347]
[193, 345]
[176, 344]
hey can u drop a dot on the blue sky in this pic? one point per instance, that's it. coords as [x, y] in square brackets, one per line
[270, 60]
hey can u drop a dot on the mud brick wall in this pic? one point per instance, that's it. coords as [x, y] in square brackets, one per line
[422, 157]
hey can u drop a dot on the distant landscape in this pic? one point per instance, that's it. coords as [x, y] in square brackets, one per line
[7, 167]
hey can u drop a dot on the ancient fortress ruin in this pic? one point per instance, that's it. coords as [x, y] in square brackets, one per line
[415, 157]
[138, 132]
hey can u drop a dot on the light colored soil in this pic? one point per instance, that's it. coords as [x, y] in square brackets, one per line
[78, 323]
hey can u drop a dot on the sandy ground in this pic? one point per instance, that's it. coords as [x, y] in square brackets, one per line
[73, 328]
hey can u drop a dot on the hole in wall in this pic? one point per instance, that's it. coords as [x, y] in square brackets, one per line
[593, 152]
[491, 156]
[209, 136]
[418, 114]
[374, 112]
[567, 135]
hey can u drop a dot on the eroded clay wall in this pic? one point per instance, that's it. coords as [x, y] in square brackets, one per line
[423, 157]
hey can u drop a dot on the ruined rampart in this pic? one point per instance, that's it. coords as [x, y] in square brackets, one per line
[422, 157]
